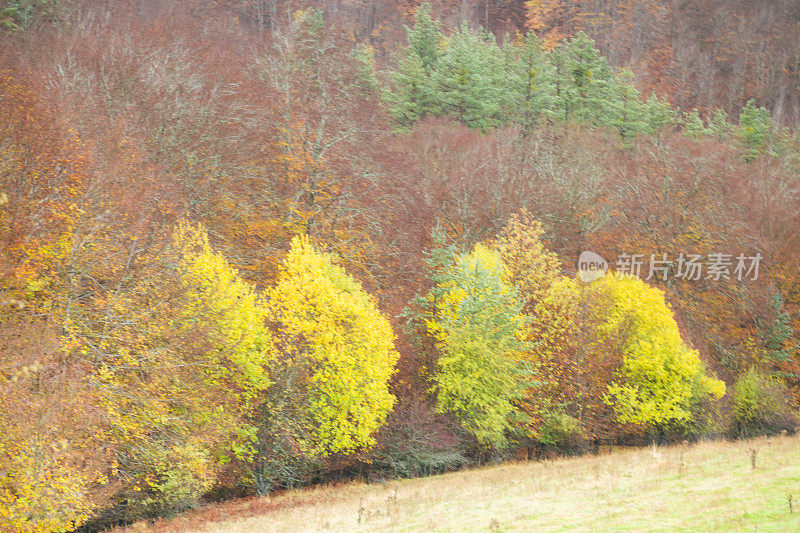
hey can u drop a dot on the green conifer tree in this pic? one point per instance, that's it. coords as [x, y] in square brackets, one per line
[755, 126]
[530, 81]
[469, 80]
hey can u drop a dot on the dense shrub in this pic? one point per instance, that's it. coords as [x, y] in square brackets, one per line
[709, 417]
[761, 406]
[177, 480]
[418, 442]
[562, 433]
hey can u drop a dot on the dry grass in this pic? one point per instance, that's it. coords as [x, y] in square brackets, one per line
[704, 487]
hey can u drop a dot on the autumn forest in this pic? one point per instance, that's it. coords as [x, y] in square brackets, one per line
[252, 245]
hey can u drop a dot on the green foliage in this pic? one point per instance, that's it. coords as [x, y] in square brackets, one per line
[559, 430]
[693, 125]
[424, 39]
[761, 405]
[585, 84]
[530, 80]
[335, 356]
[591, 92]
[18, 15]
[413, 94]
[456, 77]
[469, 85]
[365, 61]
[477, 322]
[658, 114]
[775, 334]
[719, 124]
[466, 76]
[755, 128]
[625, 112]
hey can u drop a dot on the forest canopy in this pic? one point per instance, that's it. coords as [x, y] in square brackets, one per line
[248, 246]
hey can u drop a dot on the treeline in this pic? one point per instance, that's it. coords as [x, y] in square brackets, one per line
[234, 262]
[467, 77]
[703, 54]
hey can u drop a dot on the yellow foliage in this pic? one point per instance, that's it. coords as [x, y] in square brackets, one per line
[233, 311]
[40, 490]
[48, 465]
[327, 324]
[477, 322]
[660, 375]
[178, 362]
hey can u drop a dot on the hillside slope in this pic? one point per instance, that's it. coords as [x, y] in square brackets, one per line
[703, 487]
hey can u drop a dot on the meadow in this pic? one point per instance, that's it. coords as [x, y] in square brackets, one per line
[709, 486]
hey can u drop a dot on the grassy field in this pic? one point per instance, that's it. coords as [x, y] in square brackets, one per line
[703, 487]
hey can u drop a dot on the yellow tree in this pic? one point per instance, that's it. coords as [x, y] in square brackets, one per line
[177, 361]
[335, 356]
[50, 460]
[565, 381]
[606, 353]
[476, 320]
[660, 377]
